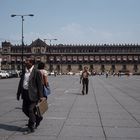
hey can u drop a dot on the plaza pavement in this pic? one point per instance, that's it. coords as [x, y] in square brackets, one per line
[111, 110]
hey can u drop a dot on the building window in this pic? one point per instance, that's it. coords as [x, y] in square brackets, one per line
[80, 67]
[58, 68]
[135, 68]
[38, 51]
[5, 50]
[91, 67]
[69, 68]
[51, 68]
[124, 68]
[113, 68]
[102, 68]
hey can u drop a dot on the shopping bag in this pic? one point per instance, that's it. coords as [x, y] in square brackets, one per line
[42, 107]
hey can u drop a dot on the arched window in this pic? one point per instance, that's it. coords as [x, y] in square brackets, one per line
[69, 67]
[80, 67]
[135, 68]
[103, 68]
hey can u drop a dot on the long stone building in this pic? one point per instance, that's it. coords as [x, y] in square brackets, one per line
[0, 57]
[65, 58]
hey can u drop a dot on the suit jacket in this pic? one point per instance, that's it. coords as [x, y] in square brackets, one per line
[35, 87]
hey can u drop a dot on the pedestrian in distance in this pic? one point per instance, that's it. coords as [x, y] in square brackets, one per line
[85, 81]
[31, 91]
[107, 73]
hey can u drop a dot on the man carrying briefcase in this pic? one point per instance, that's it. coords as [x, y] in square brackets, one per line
[31, 90]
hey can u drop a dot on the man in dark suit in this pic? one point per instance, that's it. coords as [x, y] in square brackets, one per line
[31, 91]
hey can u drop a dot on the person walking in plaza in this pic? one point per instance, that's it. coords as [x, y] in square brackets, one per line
[31, 91]
[44, 74]
[85, 80]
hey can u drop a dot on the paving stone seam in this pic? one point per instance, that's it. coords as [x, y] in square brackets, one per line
[120, 103]
[124, 92]
[11, 110]
[68, 112]
[91, 84]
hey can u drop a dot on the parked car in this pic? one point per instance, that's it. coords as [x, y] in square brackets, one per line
[51, 73]
[13, 73]
[3, 74]
[70, 73]
[77, 74]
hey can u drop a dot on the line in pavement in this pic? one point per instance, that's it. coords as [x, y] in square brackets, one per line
[108, 91]
[91, 84]
[68, 112]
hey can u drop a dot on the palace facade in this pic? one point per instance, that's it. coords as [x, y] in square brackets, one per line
[65, 58]
[0, 57]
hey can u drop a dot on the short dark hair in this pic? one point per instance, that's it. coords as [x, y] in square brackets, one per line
[41, 65]
[31, 60]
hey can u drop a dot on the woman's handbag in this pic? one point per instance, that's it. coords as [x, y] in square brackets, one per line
[46, 91]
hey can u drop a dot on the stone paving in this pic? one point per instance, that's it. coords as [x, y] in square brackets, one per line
[111, 110]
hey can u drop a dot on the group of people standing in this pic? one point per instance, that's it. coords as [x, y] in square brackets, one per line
[30, 89]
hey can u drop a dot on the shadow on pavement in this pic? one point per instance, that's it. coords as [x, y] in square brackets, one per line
[12, 128]
[75, 93]
[18, 108]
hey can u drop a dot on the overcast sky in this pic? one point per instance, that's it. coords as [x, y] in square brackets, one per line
[71, 21]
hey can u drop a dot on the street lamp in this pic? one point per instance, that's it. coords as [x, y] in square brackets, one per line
[61, 63]
[50, 39]
[22, 19]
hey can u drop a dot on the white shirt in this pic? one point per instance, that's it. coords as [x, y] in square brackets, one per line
[26, 78]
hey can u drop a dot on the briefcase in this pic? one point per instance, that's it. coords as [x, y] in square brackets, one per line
[42, 107]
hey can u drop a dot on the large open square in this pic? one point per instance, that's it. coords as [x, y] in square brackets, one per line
[110, 111]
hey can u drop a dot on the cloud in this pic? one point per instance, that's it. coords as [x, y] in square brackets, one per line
[71, 33]
[75, 33]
